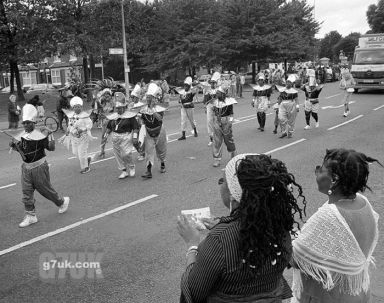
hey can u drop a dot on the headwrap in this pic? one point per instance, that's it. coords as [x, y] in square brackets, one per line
[76, 101]
[231, 176]
[29, 113]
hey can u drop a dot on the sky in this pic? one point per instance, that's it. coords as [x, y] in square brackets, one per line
[345, 16]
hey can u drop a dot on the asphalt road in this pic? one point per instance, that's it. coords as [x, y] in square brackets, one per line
[141, 255]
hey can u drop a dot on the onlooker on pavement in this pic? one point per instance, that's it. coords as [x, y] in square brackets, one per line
[238, 85]
[242, 83]
[347, 82]
[13, 112]
[244, 255]
[233, 86]
[333, 252]
[63, 103]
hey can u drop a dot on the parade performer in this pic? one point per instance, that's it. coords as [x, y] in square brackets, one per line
[311, 105]
[136, 103]
[276, 122]
[124, 128]
[187, 107]
[289, 107]
[222, 125]
[347, 83]
[209, 97]
[261, 96]
[31, 144]
[78, 133]
[105, 107]
[152, 132]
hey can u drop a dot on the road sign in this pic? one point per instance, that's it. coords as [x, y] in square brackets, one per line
[116, 51]
[127, 69]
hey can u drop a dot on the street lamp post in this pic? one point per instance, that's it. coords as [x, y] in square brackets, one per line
[126, 67]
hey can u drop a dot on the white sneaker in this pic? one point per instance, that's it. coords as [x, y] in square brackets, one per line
[63, 208]
[346, 114]
[28, 220]
[307, 127]
[210, 143]
[123, 175]
[317, 124]
[132, 171]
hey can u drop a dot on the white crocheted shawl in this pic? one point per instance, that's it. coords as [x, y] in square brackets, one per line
[327, 251]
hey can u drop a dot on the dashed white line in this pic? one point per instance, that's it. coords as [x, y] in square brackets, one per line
[6, 186]
[346, 122]
[377, 108]
[76, 224]
[332, 96]
[285, 146]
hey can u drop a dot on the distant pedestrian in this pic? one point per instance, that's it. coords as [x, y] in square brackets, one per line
[187, 107]
[238, 85]
[261, 95]
[63, 103]
[347, 83]
[14, 112]
[233, 86]
[242, 83]
[289, 107]
[276, 122]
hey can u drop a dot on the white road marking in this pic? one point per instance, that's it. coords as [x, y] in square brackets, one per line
[102, 160]
[285, 146]
[346, 122]
[76, 224]
[336, 106]
[377, 108]
[332, 96]
[6, 186]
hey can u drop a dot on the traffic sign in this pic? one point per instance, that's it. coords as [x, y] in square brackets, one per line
[127, 69]
[116, 51]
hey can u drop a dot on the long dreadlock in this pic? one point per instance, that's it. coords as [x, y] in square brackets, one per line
[267, 208]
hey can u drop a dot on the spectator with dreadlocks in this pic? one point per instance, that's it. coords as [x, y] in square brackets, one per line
[333, 252]
[244, 255]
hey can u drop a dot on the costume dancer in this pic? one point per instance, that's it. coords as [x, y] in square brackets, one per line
[311, 105]
[152, 133]
[209, 97]
[347, 83]
[124, 129]
[261, 96]
[289, 107]
[187, 107]
[31, 144]
[222, 125]
[78, 133]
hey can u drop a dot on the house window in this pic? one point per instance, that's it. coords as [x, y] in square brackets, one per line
[26, 79]
[56, 59]
[55, 76]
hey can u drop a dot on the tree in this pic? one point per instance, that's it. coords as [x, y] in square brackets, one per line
[375, 17]
[25, 34]
[347, 44]
[327, 44]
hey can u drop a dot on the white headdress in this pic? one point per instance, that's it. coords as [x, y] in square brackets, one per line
[215, 77]
[76, 101]
[231, 176]
[136, 91]
[292, 78]
[29, 113]
[188, 81]
[261, 76]
[153, 89]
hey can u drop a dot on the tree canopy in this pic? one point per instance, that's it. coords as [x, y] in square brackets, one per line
[375, 17]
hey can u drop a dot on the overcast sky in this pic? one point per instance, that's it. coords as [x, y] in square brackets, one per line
[345, 16]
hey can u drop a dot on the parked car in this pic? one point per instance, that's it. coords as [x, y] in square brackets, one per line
[40, 88]
[7, 89]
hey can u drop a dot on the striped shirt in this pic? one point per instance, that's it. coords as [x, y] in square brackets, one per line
[219, 268]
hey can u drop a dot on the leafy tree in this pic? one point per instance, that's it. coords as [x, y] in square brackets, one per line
[327, 44]
[375, 17]
[347, 44]
[25, 34]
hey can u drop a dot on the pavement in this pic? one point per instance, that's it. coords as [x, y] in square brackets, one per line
[130, 224]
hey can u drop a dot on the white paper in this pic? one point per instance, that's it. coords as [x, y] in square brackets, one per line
[195, 215]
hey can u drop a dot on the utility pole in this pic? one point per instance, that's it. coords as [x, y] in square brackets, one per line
[126, 67]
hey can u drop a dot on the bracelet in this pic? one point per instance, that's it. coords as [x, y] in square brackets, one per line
[191, 251]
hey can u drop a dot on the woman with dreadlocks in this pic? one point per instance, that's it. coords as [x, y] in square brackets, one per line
[244, 255]
[333, 252]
